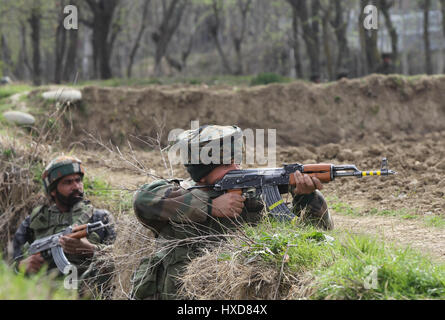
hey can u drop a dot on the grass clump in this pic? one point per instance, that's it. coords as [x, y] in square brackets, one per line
[366, 268]
[103, 195]
[435, 221]
[17, 286]
[345, 208]
[302, 249]
[287, 261]
[8, 90]
[267, 78]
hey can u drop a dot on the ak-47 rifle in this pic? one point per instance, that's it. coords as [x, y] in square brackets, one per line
[50, 247]
[270, 183]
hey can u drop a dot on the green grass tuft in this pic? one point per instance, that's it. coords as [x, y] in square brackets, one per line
[345, 266]
[17, 286]
[435, 221]
[8, 90]
[366, 268]
[267, 78]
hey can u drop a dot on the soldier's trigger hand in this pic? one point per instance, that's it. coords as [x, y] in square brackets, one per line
[305, 184]
[229, 205]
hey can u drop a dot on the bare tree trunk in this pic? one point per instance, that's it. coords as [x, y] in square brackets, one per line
[104, 34]
[214, 24]
[238, 39]
[340, 27]
[22, 69]
[5, 57]
[69, 70]
[368, 39]
[384, 6]
[171, 19]
[310, 25]
[326, 45]
[34, 22]
[442, 3]
[296, 43]
[60, 46]
[426, 36]
[138, 37]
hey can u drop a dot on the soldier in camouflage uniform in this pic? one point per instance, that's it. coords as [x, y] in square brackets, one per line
[387, 66]
[62, 181]
[183, 220]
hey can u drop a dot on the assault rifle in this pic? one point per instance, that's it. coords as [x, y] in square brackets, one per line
[50, 246]
[270, 183]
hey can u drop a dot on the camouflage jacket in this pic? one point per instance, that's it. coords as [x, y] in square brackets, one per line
[182, 222]
[172, 211]
[48, 220]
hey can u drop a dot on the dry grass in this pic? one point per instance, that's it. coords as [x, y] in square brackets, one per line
[20, 159]
[215, 276]
[133, 243]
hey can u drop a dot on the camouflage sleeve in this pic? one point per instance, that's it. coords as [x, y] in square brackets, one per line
[166, 201]
[22, 236]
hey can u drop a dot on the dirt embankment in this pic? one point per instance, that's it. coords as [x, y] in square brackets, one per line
[348, 110]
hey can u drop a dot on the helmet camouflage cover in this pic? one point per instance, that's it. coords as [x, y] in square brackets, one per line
[58, 168]
[209, 147]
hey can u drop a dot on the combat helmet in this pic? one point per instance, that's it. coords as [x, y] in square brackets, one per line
[58, 168]
[208, 147]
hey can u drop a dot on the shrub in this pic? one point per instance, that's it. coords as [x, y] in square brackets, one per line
[266, 78]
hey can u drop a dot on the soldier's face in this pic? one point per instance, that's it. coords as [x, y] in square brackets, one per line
[70, 187]
[219, 172]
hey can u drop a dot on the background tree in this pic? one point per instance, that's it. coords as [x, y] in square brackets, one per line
[60, 45]
[238, 31]
[34, 24]
[385, 6]
[310, 22]
[171, 13]
[339, 22]
[214, 25]
[426, 6]
[105, 30]
[140, 33]
[442, 7]
[69, 73]
[368, 40]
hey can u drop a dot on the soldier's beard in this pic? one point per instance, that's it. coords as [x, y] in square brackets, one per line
[70, 200]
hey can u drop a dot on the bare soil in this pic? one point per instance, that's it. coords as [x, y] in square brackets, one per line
[375, 108]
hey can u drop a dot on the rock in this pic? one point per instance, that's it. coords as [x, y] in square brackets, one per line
[20, 118]
[63, 95]
[5, 80]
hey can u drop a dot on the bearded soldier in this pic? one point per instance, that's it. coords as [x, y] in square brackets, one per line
[63, 185]
[184, 219]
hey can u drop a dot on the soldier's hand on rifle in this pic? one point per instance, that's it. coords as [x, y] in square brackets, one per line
[32, 263]
[229, 205]
[76, 246]
[306, 184]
